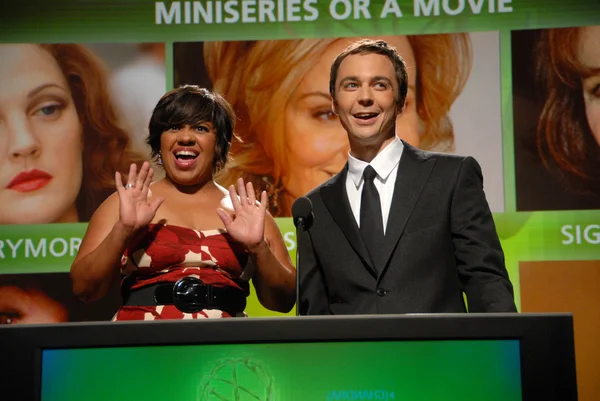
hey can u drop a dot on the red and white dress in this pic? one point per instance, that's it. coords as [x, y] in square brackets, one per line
[167, 253]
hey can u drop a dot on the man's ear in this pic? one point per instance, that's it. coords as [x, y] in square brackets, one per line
[334, 106]
[401, 108]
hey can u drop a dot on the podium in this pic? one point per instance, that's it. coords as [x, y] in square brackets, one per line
[385, 357]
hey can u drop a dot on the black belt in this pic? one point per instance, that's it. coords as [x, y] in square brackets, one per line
[189, 295]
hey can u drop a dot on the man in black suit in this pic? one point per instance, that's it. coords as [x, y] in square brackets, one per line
[398, 230]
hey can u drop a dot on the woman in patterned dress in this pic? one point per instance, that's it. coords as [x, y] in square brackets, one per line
[186, 246]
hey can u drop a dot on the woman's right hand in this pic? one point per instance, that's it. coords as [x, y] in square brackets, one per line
[134, 209]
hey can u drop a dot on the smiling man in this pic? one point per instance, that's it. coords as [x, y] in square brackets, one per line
[398, 230]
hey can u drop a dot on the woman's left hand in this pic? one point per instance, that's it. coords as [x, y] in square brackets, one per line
[248, 224]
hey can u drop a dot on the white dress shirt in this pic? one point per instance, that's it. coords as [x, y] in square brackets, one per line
[385, 165]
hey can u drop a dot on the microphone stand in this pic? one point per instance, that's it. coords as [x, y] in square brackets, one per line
[303, 219]
[299, 230]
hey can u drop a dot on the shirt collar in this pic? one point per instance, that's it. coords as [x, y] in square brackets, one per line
[383, 163]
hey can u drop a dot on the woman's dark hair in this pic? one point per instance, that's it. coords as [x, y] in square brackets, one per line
[191, 105]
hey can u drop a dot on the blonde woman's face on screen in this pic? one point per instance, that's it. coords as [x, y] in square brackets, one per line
[589, 56]
[317, 145]
[41, 140]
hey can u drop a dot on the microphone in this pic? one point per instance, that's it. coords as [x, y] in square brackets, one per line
[303, 219]
[302, 213]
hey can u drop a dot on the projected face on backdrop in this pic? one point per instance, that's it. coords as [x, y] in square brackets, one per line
[317, 144]
[291, 140]
[29, 306]
[40, 139]
[589, 56]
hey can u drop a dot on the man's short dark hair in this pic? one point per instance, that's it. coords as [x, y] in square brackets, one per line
[191, 105]
[367, 46]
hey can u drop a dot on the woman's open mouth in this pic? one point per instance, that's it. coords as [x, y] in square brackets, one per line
[186, 158]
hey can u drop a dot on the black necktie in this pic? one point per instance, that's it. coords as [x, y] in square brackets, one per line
[371, 222]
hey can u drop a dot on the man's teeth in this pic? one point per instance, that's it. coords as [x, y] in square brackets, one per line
[366, 115]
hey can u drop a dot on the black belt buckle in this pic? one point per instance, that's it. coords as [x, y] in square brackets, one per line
[191, 295]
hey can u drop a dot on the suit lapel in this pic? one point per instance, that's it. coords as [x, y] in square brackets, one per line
[413, 173]
[336, 200]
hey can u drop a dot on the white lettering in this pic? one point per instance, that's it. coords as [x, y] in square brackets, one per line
[566, 231]
[30, 248]
[265, 9]
[63, 244]
[290, 240]
[476, 6]
[293, 7]
[348, 395]
[74, 246]
[31, 251]
[252, 11]
[234, 15]
[207, 13]
[577, 234]
[347, 9]
[248, 11]
[459, 9]
[187, 14]
[314, 13]
[433, 5]
[391, 6]
[502, 6]
[593, 238]
[280, 10]
[174, 13]
[261, 11]
[219, 12]
[362, 6]
[14, 247]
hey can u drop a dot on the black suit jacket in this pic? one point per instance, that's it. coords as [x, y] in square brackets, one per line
[440, 241]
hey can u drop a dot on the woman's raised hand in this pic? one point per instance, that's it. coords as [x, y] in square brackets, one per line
[248, 224]
[134, 209]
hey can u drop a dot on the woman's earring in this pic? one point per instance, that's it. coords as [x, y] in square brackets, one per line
[159, 160]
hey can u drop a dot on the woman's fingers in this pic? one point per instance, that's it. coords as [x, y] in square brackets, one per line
[234, 199]
[141, 178]
[148, 180]
[250, 192]
[225, 218]
[132, 176]
[263, 201]
[119, 182]
[242, 191]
